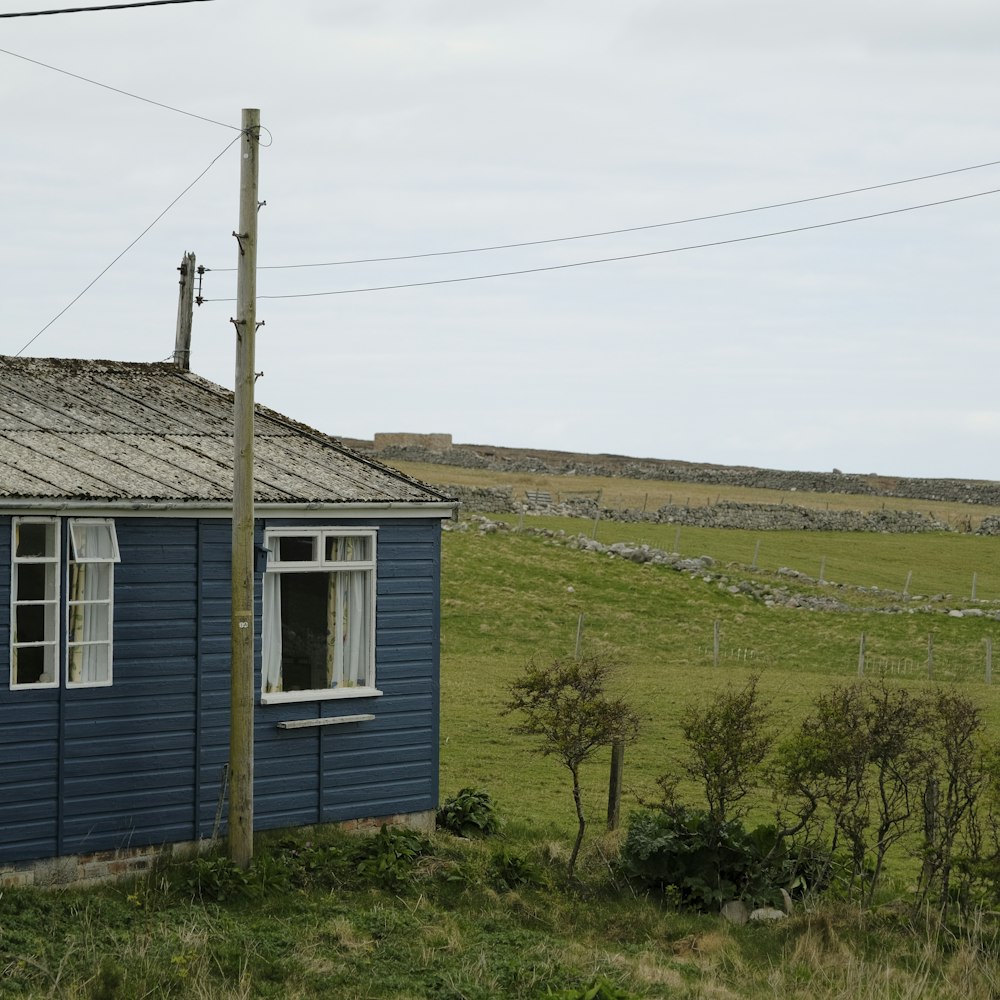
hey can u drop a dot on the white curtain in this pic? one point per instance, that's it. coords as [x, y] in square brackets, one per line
[90, 622]
[94, 553]
[347, 656]
[93, 542]
[270, 652]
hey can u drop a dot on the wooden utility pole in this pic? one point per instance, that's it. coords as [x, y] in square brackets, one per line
[241, 690]
[185, 314]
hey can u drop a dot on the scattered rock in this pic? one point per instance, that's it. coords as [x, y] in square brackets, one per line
[768, 913]
[735, 911]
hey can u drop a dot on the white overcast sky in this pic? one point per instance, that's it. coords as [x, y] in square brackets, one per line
[402, 127]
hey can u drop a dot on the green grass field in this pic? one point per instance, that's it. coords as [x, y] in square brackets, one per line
[510, 596]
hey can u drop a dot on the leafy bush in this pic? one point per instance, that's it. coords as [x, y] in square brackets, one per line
[213, 878]
[685, 854]
[388, 857]
[469, 813]
[509, 869]
[310, 865]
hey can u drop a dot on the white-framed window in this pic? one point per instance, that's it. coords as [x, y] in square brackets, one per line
[318, 628]
[34, 602]
[93, 552]
[36, 588]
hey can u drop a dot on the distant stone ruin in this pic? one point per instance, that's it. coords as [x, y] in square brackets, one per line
[433, 444]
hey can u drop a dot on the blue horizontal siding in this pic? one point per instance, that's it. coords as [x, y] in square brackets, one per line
[29, 775]
[140, 762]
[403, 797]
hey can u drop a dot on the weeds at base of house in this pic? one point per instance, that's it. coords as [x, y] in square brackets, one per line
[399, 915]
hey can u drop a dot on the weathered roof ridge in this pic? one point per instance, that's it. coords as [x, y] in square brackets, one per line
[92, 429]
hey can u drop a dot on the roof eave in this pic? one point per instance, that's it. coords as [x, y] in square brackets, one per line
[139, 508]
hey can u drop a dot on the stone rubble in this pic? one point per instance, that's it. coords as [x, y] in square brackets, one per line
[760, 587]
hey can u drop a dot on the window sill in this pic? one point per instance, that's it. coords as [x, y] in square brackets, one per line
[336, 720]
[335, 694]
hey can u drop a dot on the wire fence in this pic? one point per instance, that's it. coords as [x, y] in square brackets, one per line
[966, 666]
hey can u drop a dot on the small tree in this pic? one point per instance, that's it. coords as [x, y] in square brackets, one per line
[567, 708]
[897, 724]
[727, 742]
[958, 778]
[861, 754]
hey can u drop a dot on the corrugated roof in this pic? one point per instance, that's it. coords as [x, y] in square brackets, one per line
[124, 431]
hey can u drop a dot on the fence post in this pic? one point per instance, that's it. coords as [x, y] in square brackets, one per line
[677, 540]
[822, 569]
[615, 783]
[906, 586]
[715, 643]
[861, 657]
[973, 586]
[579, 636]
[756, 552]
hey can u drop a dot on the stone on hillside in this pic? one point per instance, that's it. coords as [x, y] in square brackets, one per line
[768, 913]
[735, 911]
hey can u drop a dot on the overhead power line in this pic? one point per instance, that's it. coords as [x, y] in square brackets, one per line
[111, 6]
[630, 256]
[91, 284]
[124, 93]
[629, 229]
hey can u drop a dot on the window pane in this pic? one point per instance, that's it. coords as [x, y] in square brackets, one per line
[303, 631]
[297, 548]
[35, 581]
[36, 541]
[89, 623]
[349, 654]
[30, 623]
[348, 548]
[33, 665]
[89, 664]
[93, 540]
[90, 582]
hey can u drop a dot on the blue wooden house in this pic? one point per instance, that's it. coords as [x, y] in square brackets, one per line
[115, 543]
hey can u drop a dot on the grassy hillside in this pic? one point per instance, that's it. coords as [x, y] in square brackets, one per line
[510, 596]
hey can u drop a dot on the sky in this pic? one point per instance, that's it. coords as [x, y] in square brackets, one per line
[396, 128]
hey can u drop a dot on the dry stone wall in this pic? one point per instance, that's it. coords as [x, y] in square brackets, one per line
[782, 517]
[438, 449]
[726, 514]
[409, 448]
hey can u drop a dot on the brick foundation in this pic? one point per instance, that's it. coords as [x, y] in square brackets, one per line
[113, 866]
